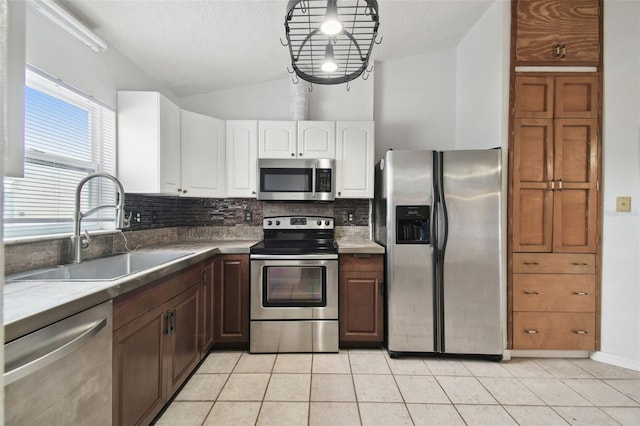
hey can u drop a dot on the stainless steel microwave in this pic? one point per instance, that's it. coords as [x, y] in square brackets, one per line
[296, 179]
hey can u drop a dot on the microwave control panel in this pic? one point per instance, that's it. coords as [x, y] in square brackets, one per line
[323, 180]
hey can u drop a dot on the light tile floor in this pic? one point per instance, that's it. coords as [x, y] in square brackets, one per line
[366, 387]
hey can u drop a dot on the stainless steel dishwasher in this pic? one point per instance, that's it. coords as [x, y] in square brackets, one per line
[61, 374]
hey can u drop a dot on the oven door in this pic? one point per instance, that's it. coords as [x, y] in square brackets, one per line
[293, 287]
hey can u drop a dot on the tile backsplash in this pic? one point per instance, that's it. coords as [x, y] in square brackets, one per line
[164, 220]
[161, 212]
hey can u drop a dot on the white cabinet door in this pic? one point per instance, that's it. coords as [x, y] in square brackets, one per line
[16, 52]
[242, 154]
[148, 143]
[277, 139]
[169, 146]
[203, 155]
[316, 139]
[355, 148]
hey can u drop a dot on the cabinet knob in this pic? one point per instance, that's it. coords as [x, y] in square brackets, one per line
[179, 189]
[300, 155]
[184, 191]
[581, 331]
[253, 192]
[530, 292]
[531, 331]
[580, 293]
[293, 154]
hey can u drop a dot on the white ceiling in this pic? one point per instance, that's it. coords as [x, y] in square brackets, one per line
[197, 46]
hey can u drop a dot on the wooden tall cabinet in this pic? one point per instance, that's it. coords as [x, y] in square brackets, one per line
[555, 176]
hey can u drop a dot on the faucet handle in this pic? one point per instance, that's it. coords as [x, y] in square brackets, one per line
[86, 239]
[126, 223]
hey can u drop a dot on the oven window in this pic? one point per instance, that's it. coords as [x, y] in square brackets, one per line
[291, 286]
[285, 180]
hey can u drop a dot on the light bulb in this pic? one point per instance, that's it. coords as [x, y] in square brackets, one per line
[329, 63]
[331, 24]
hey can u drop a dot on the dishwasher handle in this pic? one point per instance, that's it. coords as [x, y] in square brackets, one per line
[32, 362]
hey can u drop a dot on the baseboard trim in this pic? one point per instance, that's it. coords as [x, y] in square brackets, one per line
[619, 361]
[526, 353]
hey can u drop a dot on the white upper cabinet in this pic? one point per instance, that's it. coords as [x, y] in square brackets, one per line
[16, 51]
[203, 155]
[242, 155]
[291, 139]
[148, 143]
[277, 139]
[316, 139]
[355, 146]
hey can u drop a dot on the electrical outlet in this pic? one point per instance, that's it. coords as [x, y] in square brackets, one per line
[351, 217]
[248, 216]
[623, 204]
[137, 217]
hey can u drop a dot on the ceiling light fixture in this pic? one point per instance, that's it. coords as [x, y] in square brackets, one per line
[333, 55]
[329, 64]
[60, 16]
[331, 24]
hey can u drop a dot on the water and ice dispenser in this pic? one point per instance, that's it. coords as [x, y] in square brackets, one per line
[413, 224]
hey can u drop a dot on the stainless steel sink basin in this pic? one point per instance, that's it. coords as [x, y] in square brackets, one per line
[103, 269]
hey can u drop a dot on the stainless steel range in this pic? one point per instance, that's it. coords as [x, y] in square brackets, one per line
[294, 286]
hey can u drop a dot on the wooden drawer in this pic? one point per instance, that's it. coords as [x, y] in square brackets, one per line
[362, 262]
[554, 292]
[569, 331]
[554, 263]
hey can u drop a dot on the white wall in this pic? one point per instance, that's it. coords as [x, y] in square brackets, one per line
[51, 49]
[621, 151]
[272, 100]
[482, 81]
[415, 101]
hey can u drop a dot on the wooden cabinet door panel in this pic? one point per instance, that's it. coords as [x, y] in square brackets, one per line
[361, 315]
[138, 389]
[183, 349]
[554, 292]
[208, 306]
[232, 299]
[532, 198]
[532, 220]
[557, 32]
[576, 97]
[576, 171]
[534, 97]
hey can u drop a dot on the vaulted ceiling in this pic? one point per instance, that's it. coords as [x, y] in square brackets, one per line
[198, 46]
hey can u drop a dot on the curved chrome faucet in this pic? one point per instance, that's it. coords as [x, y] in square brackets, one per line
[78, 242]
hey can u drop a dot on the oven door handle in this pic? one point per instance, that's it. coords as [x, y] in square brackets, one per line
[293, 256]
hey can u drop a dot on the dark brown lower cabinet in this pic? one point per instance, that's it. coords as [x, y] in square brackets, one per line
[361, 300]
[156, 344]
[207, 317]
[231, 296]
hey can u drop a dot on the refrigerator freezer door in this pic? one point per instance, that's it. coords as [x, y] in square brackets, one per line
[407, 179]
[472, 260]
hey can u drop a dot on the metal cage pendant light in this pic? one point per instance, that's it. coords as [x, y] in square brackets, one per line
[330, 41]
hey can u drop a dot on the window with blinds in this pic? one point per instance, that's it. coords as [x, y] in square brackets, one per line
[68, 136]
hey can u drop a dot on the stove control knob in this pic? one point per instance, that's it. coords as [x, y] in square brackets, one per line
[326, 222]
[319, 223]
[277, 222]
[269, 223]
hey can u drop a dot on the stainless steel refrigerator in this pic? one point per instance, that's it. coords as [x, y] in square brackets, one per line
[439, 216]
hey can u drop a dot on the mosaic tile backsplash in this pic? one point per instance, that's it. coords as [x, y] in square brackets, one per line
[150, 212]
[163, 220]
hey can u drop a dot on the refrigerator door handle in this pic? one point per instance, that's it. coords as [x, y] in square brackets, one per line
[442, 201]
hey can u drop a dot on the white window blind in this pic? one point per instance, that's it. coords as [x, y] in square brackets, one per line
[68, 136]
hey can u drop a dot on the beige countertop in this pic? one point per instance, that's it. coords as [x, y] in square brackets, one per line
[30, 305]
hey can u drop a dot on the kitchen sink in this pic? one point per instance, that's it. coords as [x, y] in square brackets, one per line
[103, 269]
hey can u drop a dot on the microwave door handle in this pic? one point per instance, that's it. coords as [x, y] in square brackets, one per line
[313, 179]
